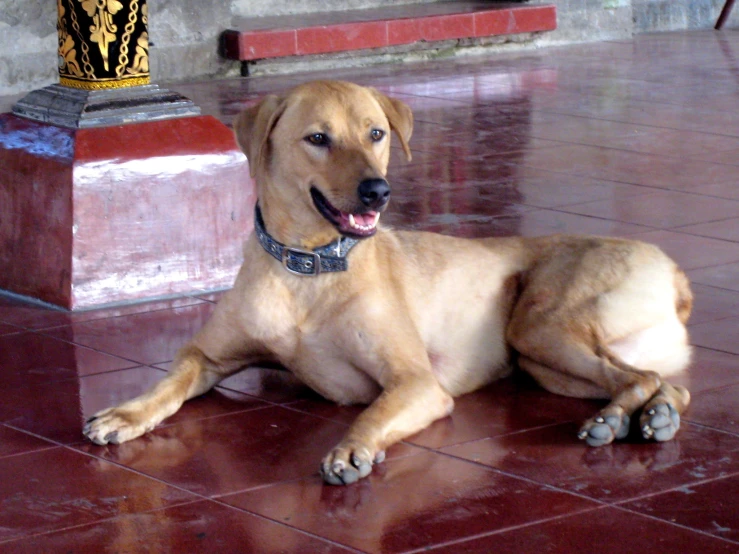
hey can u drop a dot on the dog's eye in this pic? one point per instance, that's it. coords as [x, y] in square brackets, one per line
[377, 134]
[318, 139]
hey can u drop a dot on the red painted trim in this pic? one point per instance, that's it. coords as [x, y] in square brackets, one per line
[342, 37]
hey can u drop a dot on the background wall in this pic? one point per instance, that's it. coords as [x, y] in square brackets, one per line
[259, 8]
[671, 15]
[184, 33]
[27, 44]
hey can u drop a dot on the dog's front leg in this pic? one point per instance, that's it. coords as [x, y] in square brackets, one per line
[408, 404]
[217, 351]
[191, 376]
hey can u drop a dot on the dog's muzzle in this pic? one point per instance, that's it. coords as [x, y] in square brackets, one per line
[361, 223]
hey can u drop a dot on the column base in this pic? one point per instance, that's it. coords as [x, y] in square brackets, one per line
[77, 108]
[103, 215]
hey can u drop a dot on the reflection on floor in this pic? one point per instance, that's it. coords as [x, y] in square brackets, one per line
[634, 138]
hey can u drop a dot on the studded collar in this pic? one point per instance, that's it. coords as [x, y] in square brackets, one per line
[298, 261]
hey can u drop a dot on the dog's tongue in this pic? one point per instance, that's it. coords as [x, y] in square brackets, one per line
[365, 219]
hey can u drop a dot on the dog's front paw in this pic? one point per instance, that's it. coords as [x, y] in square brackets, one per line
[114, 426]
[349, 462]
[659, 422]
[605, 428]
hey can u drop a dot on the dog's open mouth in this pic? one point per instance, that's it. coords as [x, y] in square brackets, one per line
[360, 225]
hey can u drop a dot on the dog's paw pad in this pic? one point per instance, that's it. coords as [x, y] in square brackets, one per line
[660, 422]
[602, 430]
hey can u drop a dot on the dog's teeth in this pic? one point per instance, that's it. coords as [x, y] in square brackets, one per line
[353, 223]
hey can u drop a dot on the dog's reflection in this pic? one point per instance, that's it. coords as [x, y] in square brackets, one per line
[413, 485]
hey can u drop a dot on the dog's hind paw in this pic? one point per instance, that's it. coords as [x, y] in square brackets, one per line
[605, 428]
[348, 463]
[659, 422]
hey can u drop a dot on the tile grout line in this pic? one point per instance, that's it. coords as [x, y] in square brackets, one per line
[529, 480]
[674, 524]
[709, 427]
[620, 503]
[619, 181]
[52, 444]
[303, 531]
[436, 546]
[94, 522]
[656, 127]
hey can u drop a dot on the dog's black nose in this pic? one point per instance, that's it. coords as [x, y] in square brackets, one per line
[374, 193]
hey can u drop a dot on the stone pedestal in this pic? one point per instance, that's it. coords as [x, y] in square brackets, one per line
[78, 108]
[101, 215]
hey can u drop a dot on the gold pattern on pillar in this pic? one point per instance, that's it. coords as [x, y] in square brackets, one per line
[103, 44]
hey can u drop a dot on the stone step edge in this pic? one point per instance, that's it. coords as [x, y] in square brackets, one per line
[506, 19]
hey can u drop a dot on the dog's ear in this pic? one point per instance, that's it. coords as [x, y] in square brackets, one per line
[400, 117]
[253, 127]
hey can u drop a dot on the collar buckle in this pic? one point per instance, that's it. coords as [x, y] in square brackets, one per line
[301, 262]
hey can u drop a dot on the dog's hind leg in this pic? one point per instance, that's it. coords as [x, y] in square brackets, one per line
[564, 363]
[561, 383]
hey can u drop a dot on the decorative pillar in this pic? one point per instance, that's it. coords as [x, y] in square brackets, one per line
[111, 188]
[103, 70]
[112, 31]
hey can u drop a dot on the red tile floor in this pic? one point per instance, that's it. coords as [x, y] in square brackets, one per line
[632, 138]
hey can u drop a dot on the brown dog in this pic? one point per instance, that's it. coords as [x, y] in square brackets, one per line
[406, 321]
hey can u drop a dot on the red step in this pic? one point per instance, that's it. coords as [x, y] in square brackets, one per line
[341, 31]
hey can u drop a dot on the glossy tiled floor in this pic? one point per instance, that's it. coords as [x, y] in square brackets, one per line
[636, 138]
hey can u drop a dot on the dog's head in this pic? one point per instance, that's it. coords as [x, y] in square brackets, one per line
[322, 151]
